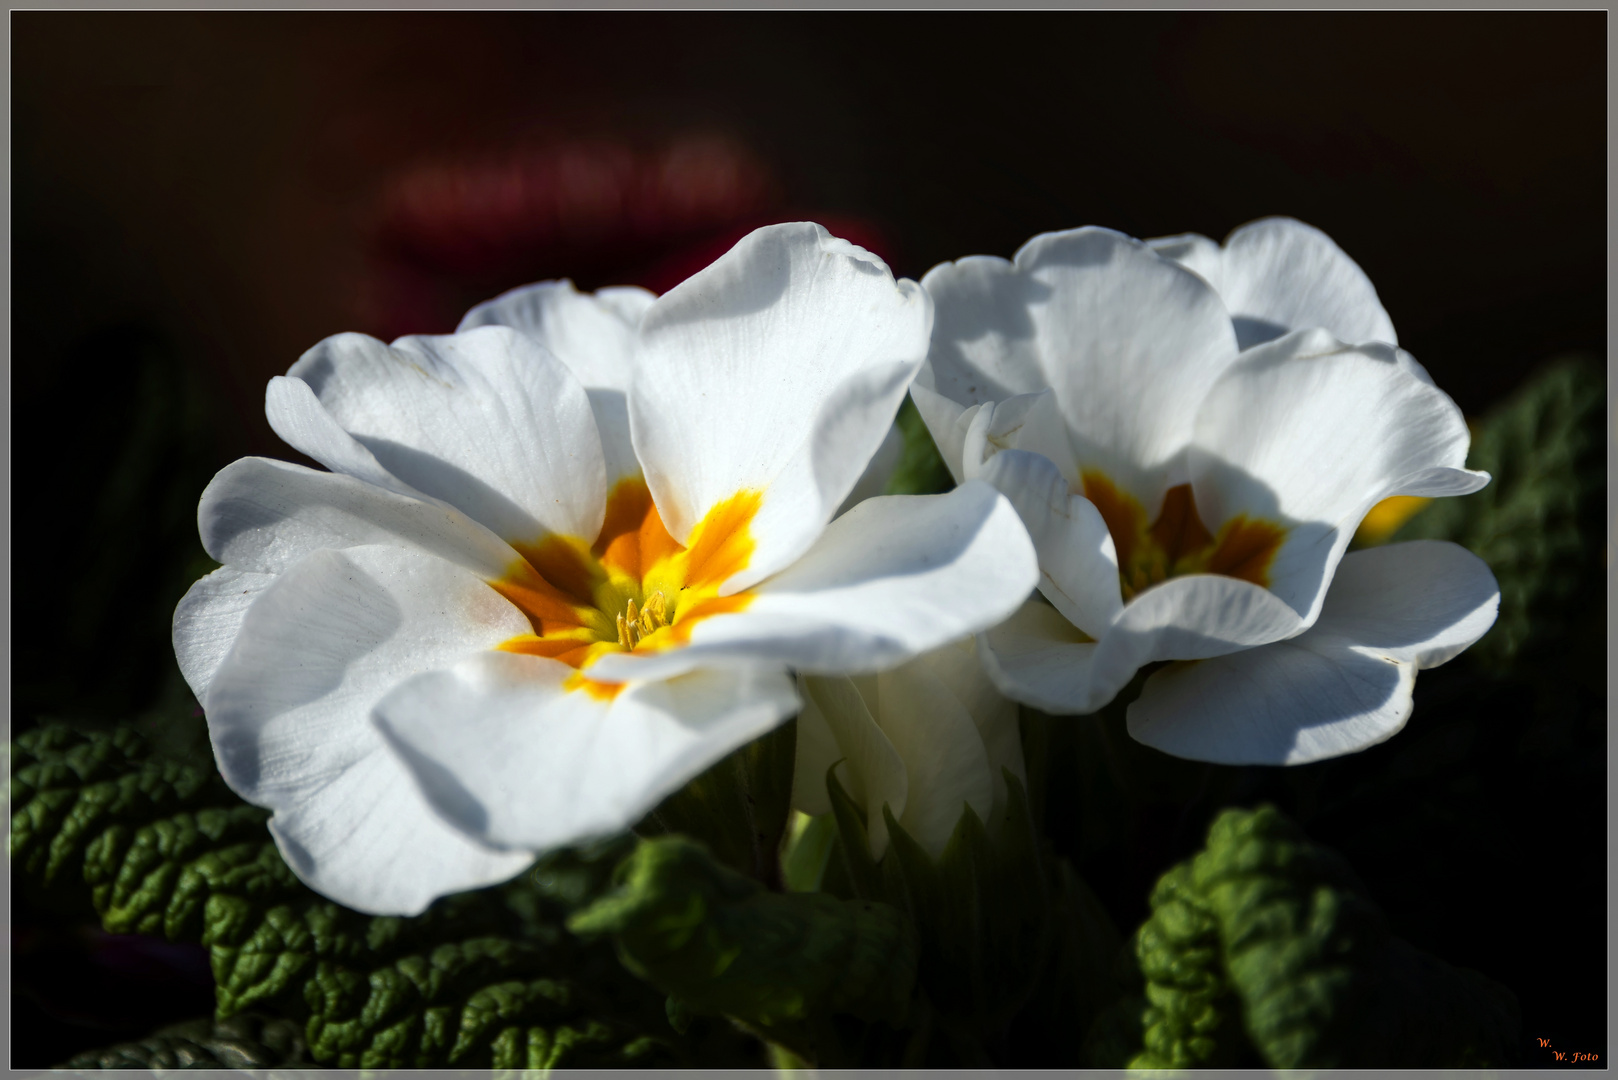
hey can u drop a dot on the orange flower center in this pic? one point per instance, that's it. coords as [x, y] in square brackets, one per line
[1178, 542]
[635, 589]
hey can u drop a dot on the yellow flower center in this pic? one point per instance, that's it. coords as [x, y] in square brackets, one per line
[1178, 542]
[635, 589]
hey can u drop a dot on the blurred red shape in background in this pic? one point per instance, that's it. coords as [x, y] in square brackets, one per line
[450, 233]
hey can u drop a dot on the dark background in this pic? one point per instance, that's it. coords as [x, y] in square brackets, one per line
[198, 198]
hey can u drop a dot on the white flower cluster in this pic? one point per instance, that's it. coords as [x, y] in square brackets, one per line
[566, 558]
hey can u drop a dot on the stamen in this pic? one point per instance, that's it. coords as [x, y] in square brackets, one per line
[654, 615]
[624, 634]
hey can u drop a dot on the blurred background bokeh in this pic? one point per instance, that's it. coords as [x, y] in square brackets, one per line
[198, 198]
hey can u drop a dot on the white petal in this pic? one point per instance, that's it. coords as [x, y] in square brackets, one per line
[263, 515]
[1031, 422]
[289, 715]
[1078, 563]
[1421, 602]
[594, 334]
[303, 423]
[957, 666]
[778, 369]
[1195, 252]
[1039, 658]
[874, 480]
[487, 421]
[1280, 704]
[948, 424]
[207, 620]
[504, 752]
[1130, 343]
[872, 770]
[1340, 687]
[944, 756]
[1311, 433]
[1281, 275]
[892, 578]
[983, 342]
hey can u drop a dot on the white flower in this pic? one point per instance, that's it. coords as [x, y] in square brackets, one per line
[926, 738]
[1192, 503]
[517, 612]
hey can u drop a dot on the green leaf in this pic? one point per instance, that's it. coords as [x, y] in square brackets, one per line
[153, 838]
[921, 469]
[852, 872]
[986, 913]
[1540, 522]
[1266, 943]
[484, 979]
[719, 942]
[247, 1041]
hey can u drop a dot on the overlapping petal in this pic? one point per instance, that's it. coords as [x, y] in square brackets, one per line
[1041, 658]
[1343, 685]
[263, 515]
[528, 764]
[289, 715]
[1313, 433]
[1277, 275]
[1130, 343]
[1078, 563]
[486, 421]
[207, 620]
[778, 369]
[595, 335]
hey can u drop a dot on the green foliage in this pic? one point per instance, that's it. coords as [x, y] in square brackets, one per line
[1539, 523]
[718, 942]
[486, 979]
[1265, 949]
[997, 918]
[153, 838]
[921, 469]
[245, 1041]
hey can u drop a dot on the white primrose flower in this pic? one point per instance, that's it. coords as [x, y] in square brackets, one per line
[552, 576]
[926, 738]
[1193, 503]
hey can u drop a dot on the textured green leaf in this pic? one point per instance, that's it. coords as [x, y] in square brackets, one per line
[247, 1041]
[921, 469]
[723, 944]
[153, 838]
[1266, 942]
[1539, 522]
[485, 979]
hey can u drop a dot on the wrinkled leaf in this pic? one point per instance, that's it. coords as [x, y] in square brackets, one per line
[247, 1041]
[1266, 943]
[484, 979]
